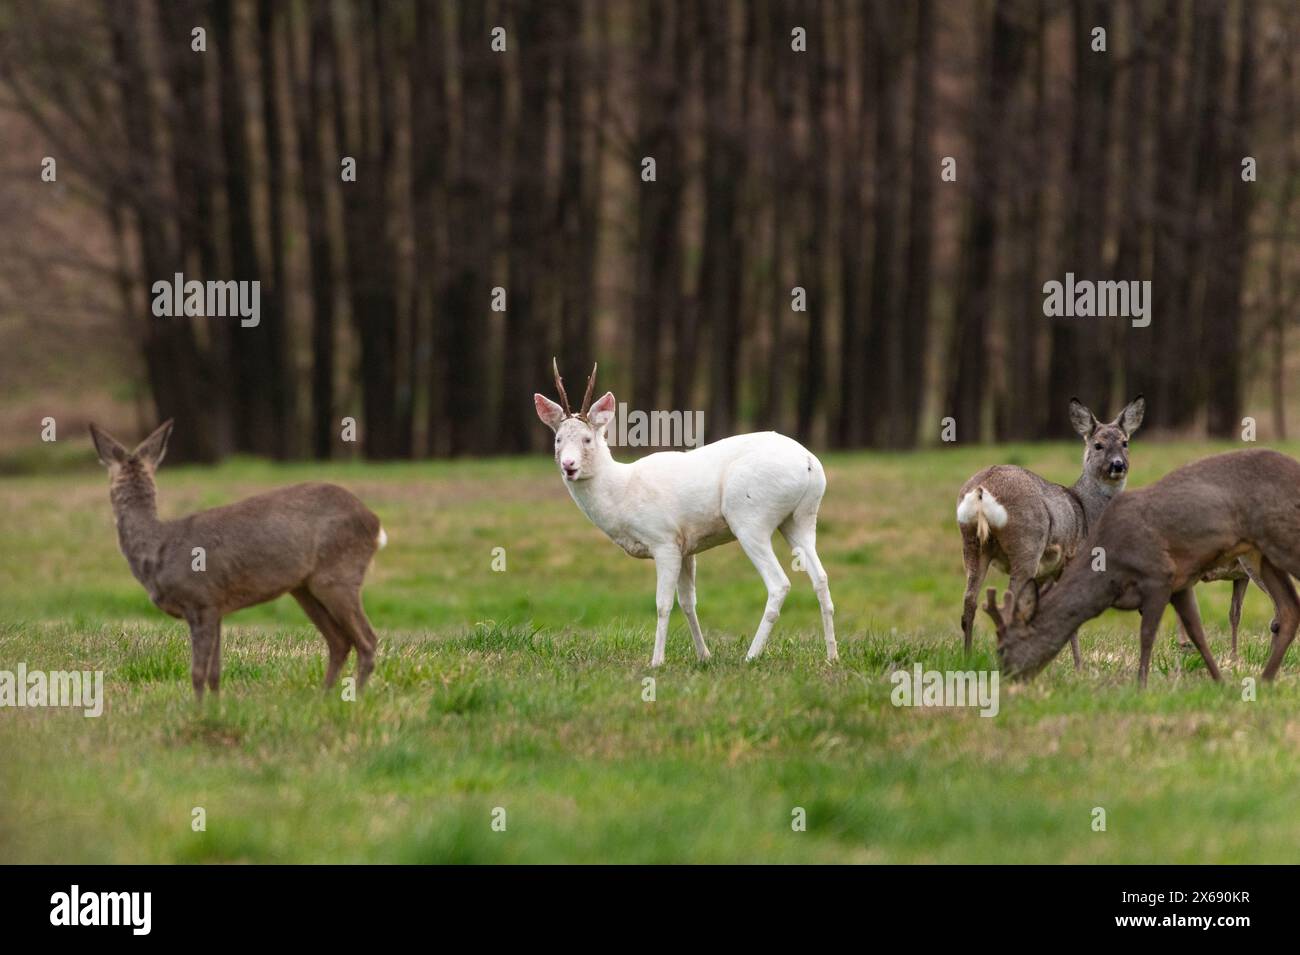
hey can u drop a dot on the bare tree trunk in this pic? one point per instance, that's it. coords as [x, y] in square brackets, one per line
[685, 321]
[885, 336]
[658, 258]
[471, 219]
[1207, 71]
[370, 253]
[772, 137]
[171, 357]
[253, 357]
[851, 424]
[1004, 62]
[523, 361]
[1223, 319]
[283, 385]
[1081, 361]
[1281, 220]
[915, 315]
[190, 138]
[1019, 414]
[813, 224]
[721, 265]
[1130, 258]
[430, 135]
[579, 194]
[1170, 265]
[312, 109]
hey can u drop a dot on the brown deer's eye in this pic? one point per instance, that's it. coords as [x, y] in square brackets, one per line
[1096, 447]
[1126, 444]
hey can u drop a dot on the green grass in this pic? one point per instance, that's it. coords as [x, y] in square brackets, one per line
[523, 690]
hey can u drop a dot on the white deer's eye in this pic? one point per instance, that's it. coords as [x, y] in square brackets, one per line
[586, 440]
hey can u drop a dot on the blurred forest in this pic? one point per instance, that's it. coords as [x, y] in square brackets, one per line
[774, 168]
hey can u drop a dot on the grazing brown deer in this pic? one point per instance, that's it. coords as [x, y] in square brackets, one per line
[314, 541]
[1158, 542]
[1031, 528]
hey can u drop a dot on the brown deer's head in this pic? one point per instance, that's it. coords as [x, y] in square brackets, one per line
[140, 464]
[1018, 641]
[1105, 446]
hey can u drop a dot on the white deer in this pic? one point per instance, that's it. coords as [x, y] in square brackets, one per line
[672, 505]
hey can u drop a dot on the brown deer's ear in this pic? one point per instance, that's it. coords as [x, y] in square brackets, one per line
[1130, 419]
[108, 448]
[1026, 602]
[153, 448]
[1081, 419]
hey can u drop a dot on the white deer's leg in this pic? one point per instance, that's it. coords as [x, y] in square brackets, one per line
[686, 600]
[802, 538]
[759, 549]
[668, 565]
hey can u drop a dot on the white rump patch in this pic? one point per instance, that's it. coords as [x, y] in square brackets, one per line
[382, 539]
[980, 500]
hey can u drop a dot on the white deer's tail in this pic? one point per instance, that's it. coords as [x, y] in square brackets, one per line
[382, 539]
[982, 508]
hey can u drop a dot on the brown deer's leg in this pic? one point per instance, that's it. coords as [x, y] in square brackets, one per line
[343, 601]
[1286, 610]
[1234, 611]
[214, 659]
[337, 639]
[1190, 617]
[1184, 638]
[205, 630]
[1153, 609]
[976, 559]
[1074, 650]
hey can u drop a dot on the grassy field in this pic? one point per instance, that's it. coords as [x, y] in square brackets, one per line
[523, 690]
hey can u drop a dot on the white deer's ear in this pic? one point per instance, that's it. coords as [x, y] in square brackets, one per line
[550, 413]
[153, 448]
[602, 412]
[108, 448]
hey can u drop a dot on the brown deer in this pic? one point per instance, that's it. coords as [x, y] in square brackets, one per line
[314, 541]
[1031, 528]
[1158, 542]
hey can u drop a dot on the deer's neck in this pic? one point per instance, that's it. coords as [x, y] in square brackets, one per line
[135, 510]
[603, 496]
[1094, 495]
